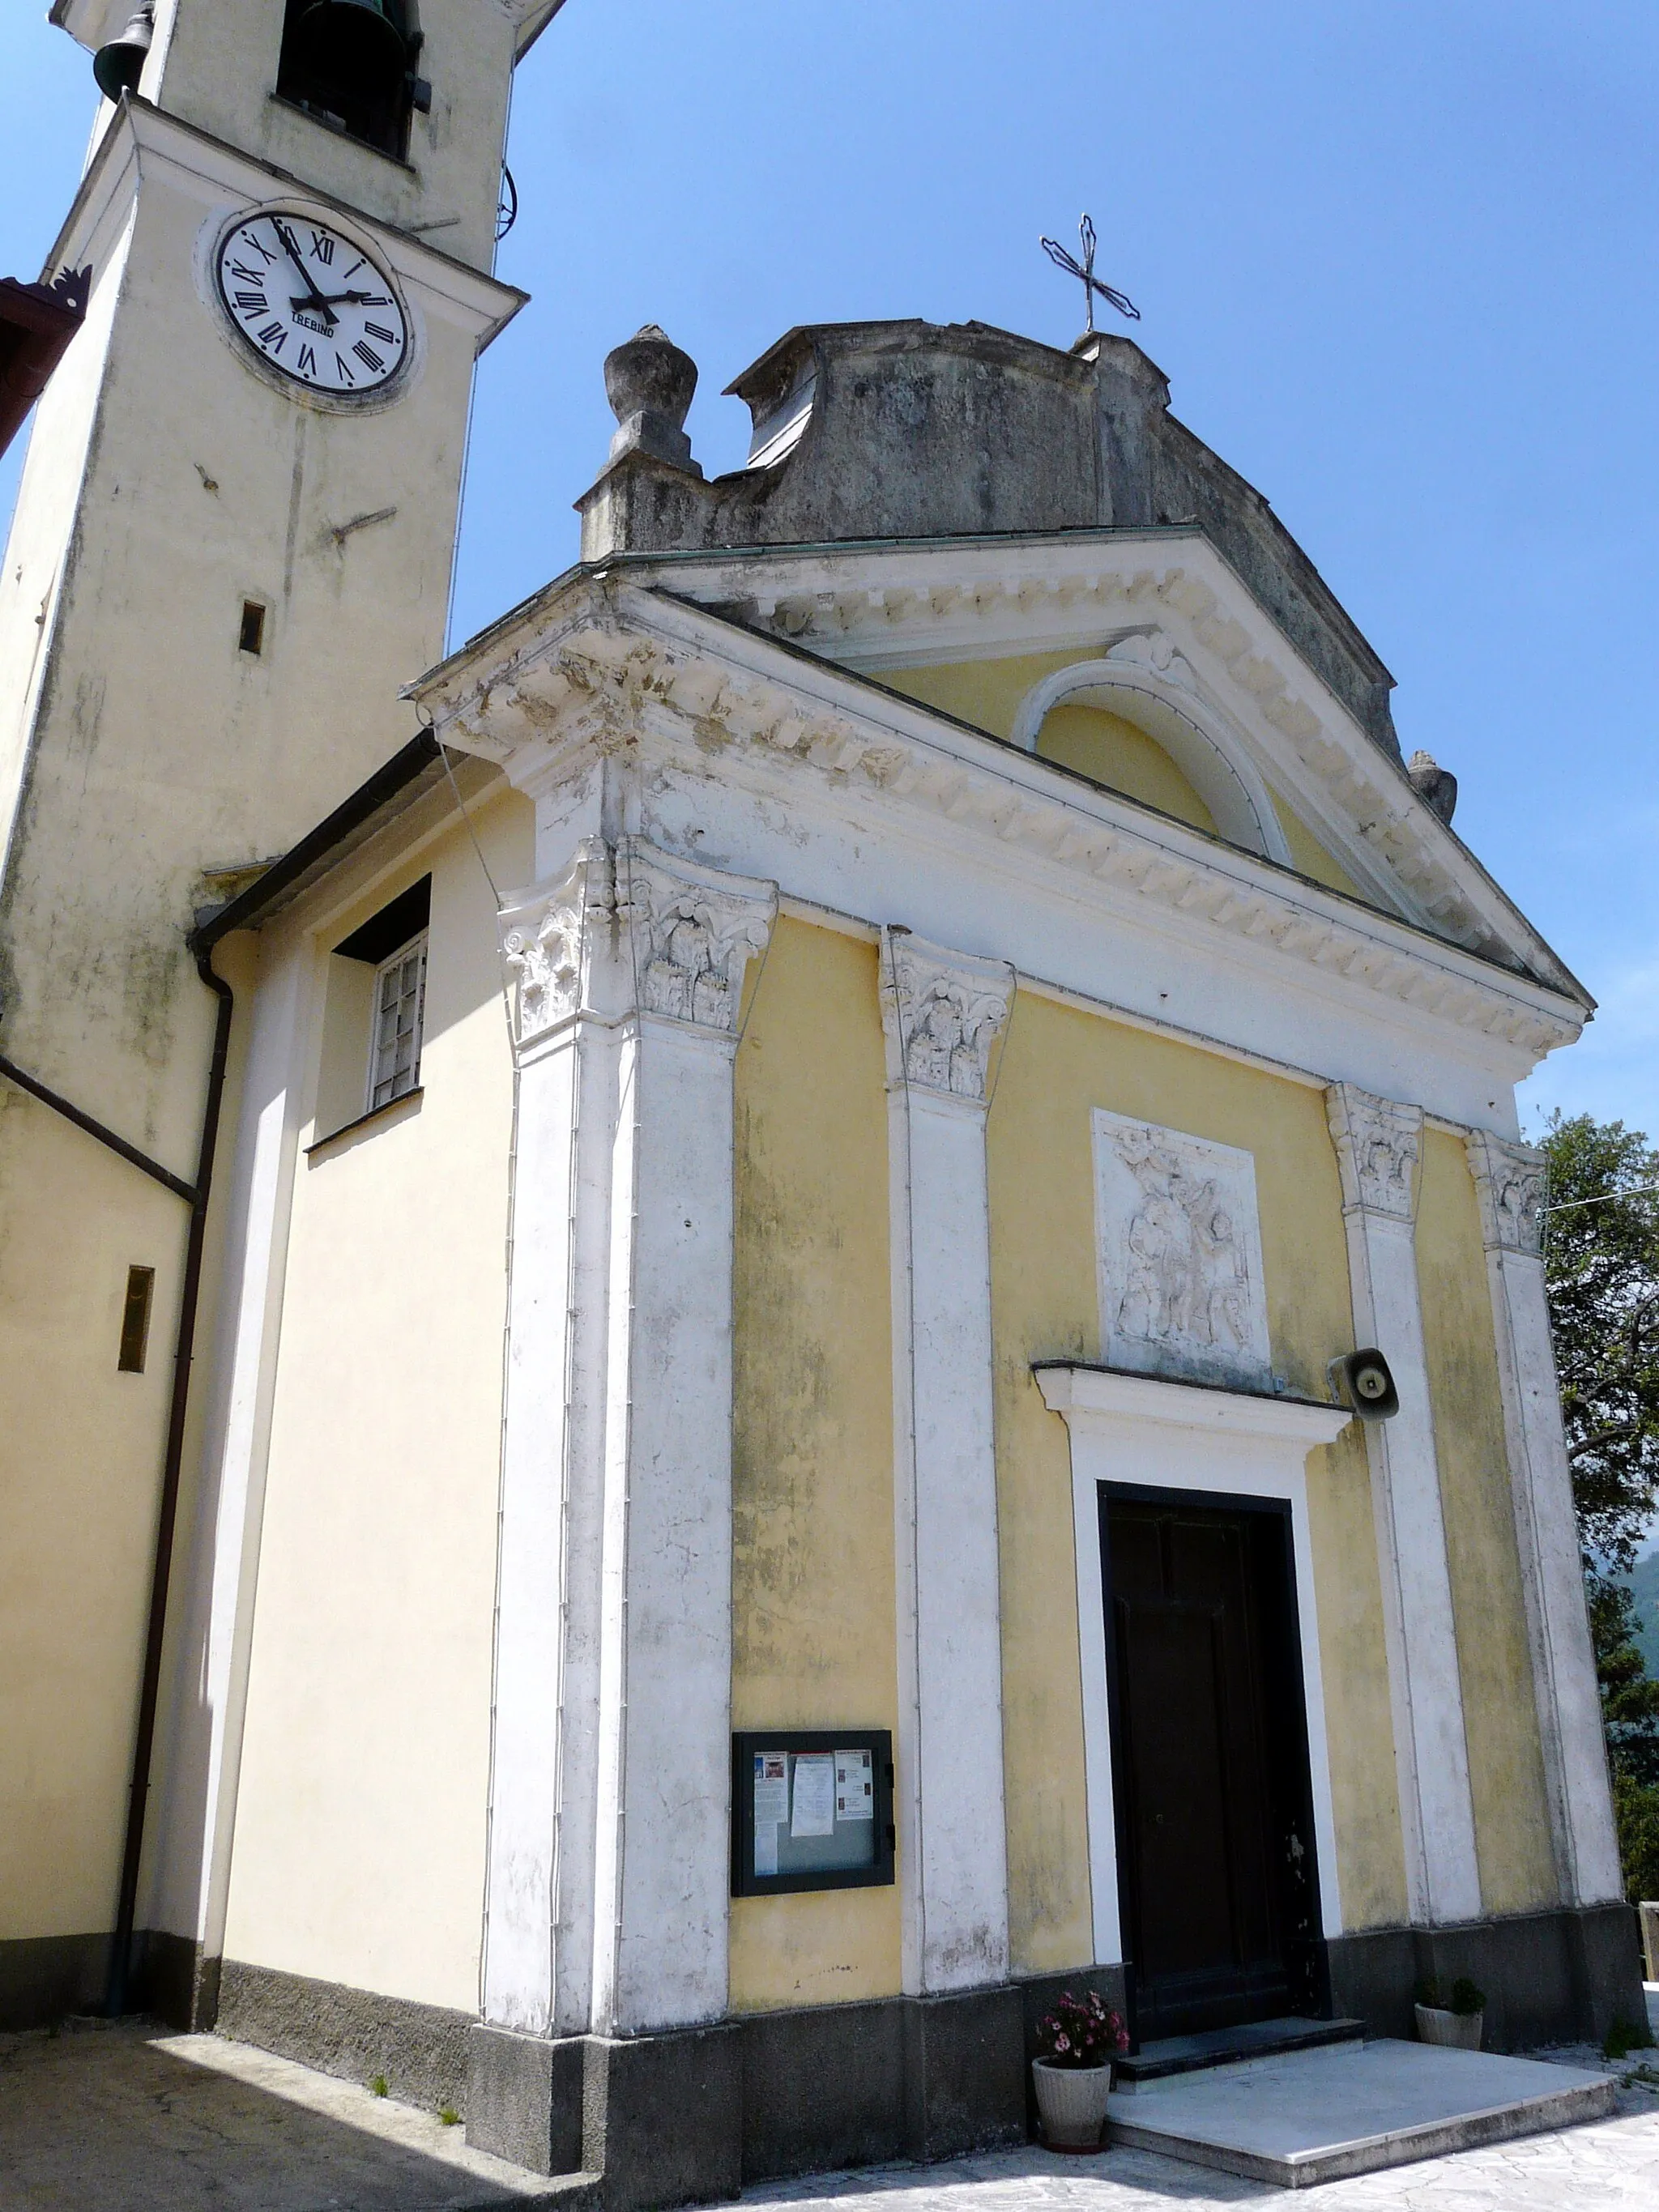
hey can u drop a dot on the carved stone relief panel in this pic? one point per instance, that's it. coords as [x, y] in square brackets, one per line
[1179, 1250]
[1508, 1180]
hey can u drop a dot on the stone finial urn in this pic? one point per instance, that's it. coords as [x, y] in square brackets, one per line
[650, 384]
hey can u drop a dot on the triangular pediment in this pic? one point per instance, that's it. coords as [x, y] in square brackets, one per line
[773, 673]
[1178, 622]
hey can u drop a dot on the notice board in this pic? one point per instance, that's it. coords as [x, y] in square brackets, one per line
[811, 1808]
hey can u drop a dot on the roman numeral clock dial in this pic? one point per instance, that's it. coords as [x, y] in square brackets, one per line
[312, 304]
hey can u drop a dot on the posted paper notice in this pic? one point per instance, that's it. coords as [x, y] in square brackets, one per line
[855, 1788]
[771, 1807]
[815, 1794]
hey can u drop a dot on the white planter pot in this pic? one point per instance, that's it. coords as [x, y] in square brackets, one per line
[1072, 2102]
[1458, 2031]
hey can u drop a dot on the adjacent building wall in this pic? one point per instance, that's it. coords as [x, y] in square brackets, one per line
[360, 1835]
[813, 1610]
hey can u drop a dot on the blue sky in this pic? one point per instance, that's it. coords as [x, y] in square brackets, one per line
[1396, 259]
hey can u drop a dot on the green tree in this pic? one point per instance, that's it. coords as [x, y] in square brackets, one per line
[1601, 1272]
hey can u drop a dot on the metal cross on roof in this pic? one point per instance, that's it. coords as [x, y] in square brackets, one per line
[1086, 269]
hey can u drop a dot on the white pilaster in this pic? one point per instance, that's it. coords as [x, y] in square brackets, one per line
[557, 952]
[609, 1838]
[191, 1842]
[943, 1012]
[1510, 1181]
[1378, 1142]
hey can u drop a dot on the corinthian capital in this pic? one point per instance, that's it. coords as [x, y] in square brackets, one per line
[943, 1012]
[546, 942]
[1509, 1182]
[693, 932]
[1377, 1143]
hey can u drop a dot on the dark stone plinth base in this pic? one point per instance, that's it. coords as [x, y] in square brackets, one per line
[694, 2116]
[1557, 1977]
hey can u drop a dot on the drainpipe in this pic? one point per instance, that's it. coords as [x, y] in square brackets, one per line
[196, 1196]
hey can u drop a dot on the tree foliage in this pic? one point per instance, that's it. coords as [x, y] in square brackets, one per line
[1602, 1267]
[1602, 1271]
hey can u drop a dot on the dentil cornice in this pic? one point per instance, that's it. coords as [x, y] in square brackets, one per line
[1509, 1184]
[597, 666]
[943, 1012]
[1377, 1143]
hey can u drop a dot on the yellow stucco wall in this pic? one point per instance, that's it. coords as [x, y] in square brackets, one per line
[1506, 1768]
[813, 1598]
[360, 1816]
[1058, 1064]
[1308, 855]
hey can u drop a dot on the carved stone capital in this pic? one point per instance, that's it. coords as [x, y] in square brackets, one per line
[943, 1012]
[693, 932]
[546, 942]
[1509, 1182]
[1378, 1142]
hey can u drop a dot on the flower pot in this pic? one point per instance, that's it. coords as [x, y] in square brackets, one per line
[1458, 2031]
[1072, 2102]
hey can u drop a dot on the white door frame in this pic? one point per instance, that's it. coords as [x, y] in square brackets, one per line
[1179, 1436]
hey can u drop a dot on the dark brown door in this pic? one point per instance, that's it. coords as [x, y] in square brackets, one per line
[1210, 1762]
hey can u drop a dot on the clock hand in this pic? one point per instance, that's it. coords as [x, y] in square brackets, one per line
[333, 299]
[313, 298]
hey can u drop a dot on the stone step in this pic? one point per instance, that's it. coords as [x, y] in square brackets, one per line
[1320, 2115]
[1244, 2045]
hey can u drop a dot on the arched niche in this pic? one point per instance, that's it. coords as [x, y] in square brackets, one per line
[1146, 684]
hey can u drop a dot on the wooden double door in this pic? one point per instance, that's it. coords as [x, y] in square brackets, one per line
[1218, 1884]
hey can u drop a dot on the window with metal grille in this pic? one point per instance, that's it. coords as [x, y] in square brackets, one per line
[399, 1005]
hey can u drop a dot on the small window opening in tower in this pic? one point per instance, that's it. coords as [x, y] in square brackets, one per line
[134, 1321]
[252, 636]
[350, 64]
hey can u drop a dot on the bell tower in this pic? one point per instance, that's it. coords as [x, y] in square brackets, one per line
[233, 543]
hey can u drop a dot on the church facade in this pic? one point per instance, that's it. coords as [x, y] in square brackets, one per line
[776, 1470]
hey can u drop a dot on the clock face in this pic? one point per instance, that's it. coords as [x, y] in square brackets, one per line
[312, 304]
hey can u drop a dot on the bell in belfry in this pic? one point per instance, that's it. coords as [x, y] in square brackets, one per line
[355, 44]
[118, 66]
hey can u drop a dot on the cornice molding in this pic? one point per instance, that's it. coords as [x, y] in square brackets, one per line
[1378, 1143]
[1105, 1398]
[1510, 1184]
[600, 667]
[943, 1012]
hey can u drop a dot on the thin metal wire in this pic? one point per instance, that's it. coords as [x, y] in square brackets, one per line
[1605, 1198]
[507, 204]
[1084, 270]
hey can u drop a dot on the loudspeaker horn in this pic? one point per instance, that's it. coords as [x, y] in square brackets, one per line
[1366, 1384]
